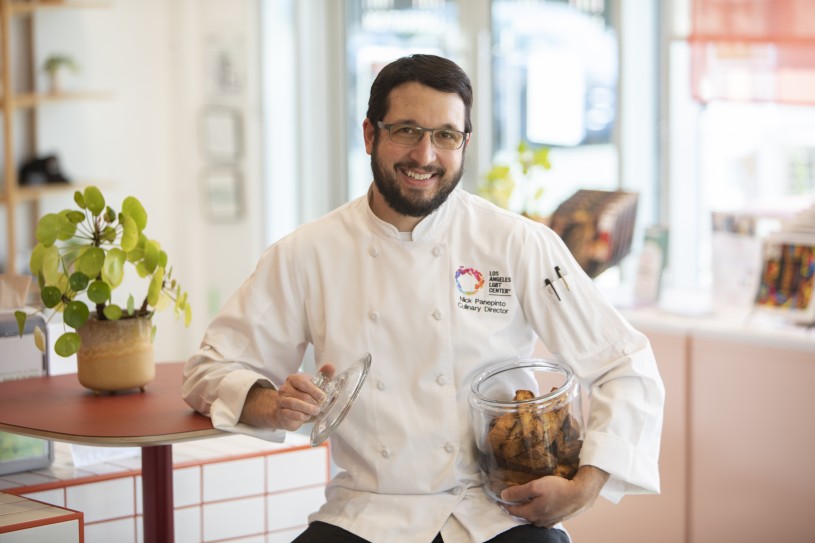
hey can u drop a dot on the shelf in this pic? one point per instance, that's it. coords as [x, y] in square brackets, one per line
[35, 192]
[28, 100]
[22, 7]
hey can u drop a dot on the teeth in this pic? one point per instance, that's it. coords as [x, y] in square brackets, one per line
[418, 176]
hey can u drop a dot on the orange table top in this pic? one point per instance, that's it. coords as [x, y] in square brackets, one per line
[59, 408]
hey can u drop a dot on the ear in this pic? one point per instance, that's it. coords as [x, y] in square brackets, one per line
[368, 133]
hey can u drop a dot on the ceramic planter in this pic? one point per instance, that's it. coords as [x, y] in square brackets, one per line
[116, 355]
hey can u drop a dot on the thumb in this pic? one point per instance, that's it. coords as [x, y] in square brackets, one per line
[517, 494]
[328, 370]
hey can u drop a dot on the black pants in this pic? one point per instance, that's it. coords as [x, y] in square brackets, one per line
[320, 532]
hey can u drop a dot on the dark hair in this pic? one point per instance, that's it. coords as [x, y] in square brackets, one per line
[436, 72]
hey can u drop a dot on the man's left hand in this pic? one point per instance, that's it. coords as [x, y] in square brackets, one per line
[549, 500]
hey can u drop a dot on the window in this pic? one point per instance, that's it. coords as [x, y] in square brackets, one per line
[379, 31]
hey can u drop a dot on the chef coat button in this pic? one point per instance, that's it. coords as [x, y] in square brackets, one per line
[374, 251]
[373, 315]
[456, 490]
[449, 447]
[437, 251]
[380, 385]
[441, 380]
[627, 349]
[386, 453]
[437, 315]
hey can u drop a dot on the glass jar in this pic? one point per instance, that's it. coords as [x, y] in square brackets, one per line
[528, 422]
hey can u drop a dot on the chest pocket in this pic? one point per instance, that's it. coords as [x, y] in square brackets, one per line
[583, 325]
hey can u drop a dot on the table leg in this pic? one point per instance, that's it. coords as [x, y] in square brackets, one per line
[157, 493]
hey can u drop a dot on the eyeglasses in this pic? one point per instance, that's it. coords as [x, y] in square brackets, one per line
[407, 134]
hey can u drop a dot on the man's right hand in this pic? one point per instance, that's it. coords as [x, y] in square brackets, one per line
[296, 402]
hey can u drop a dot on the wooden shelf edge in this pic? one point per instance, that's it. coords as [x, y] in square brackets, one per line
[23, 7]
[34, 192]
[27, 100]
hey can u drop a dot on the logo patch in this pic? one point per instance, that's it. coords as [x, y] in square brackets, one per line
[469, 280]
[474, 297]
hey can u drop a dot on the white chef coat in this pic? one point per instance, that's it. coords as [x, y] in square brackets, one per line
[467, 291]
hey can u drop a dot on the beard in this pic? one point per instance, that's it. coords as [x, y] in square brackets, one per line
[408, 204]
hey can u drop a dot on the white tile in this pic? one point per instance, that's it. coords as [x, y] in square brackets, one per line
[54, 497]
[284, 536]
[253, 539]
[292, 508]
[27, 478]
[234, 479]
[139, 498]
[187, 486]
[120, 531]
[102, 500]
[187, 523]
[296, 469]
[238, 518]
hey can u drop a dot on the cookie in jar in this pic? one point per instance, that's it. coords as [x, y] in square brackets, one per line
[527, 419]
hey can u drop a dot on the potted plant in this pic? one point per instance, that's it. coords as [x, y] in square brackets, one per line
[500, 185]
[80, 260]
[53, 66]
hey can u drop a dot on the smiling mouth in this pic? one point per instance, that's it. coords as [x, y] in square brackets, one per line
[417, 176]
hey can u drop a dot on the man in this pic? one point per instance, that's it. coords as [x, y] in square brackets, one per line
[387, 274]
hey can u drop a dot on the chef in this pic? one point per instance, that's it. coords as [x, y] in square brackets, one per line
[436, 284]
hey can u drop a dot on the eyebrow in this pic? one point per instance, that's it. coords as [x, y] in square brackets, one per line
[413, 122]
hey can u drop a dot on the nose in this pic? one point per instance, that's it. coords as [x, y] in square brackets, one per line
[424, 152]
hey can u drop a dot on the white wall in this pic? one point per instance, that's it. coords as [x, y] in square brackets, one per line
[156, 56]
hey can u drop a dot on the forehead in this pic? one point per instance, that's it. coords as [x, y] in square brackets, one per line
[425, 106]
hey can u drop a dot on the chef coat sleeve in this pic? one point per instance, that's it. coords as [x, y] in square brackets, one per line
[613, 362]
[258, 337]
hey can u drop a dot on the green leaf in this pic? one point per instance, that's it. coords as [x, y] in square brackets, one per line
[21, 317]
[78, 281]
[35, 262]
[67, 344]
[113, 270]
[162, 259]
[131, 305]
[99, 292]
[151, 255]
[130, 233]
[113, 312]
[79, 199]
[53, 226]
[133, 208]
[137, 253]
[94, 200]
[91, 262]
[187, 315]
[110, 215]
[39, 339]
[74, 217]
[541, 158]
[154, 290]
[76, 314]
[51, 296]
[108, 234]
[50, 266]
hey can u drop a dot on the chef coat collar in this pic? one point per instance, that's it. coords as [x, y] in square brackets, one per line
[428, 228]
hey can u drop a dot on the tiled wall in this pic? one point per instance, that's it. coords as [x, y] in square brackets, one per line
[226, 489]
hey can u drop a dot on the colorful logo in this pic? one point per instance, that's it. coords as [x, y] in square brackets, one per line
[469, 280]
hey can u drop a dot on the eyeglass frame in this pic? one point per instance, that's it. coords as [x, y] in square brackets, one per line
[422, 130]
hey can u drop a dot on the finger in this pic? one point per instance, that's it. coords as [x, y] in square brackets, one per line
[297, 409]
[301, 387]
[519, 493]
[328, 370]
